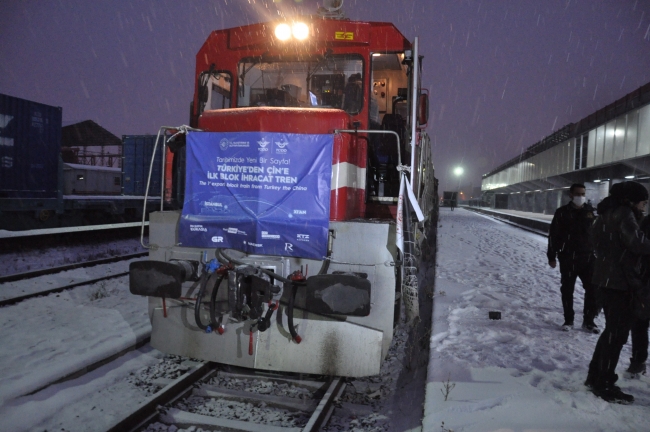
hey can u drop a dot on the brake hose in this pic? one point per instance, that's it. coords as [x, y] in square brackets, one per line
[213, 307]
[197, 304]
[292, 299]
[205, 282]
[289, 284]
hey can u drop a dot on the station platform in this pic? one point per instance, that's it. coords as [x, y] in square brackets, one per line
[520, 372]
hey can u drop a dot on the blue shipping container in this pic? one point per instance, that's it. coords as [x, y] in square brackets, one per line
[136, 158]
[30, 144]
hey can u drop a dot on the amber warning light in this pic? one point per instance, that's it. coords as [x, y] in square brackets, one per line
[298, 31]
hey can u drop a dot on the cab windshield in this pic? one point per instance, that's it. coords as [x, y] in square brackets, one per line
[329, 81]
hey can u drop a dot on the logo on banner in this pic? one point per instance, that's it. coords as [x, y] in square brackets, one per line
[262, 145]
[266, 235]
[288, 247]
[253, 244]
[198, 228]
[303, 237]
[225, 143]
[217, 239]
[235, 231]
[281, 147]
[300, 212]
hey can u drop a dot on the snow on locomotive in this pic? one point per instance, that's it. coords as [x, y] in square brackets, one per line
[293, 246]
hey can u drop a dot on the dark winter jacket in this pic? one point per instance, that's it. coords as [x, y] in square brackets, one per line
[642, 294]
[619, 243]
[569, 236]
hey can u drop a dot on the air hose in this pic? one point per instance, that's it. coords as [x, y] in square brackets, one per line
[213, 306]
[292, 299]
[197, 304]
[296, 279]
[205, 282]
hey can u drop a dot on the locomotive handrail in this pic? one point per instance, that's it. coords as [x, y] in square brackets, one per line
[414, 101]
[183, 129]
[399, 153]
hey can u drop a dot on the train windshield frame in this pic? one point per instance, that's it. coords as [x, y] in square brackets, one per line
[319, 81]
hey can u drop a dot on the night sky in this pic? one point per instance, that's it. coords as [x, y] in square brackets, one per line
[502, 73]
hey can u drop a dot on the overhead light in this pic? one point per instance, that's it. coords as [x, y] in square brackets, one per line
[597, 181]
[629, 177]
[376, 54]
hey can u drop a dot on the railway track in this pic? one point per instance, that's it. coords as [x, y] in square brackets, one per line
[186, 402]
[54, 270]
[535, 230]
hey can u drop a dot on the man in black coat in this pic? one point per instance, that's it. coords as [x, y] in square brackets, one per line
[619, 245]
[569, 239]
[639, 330]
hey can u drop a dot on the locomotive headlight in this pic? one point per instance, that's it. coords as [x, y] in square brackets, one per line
[283, 32]
[300, 31]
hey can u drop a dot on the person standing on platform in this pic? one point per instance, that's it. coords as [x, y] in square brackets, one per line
[639, 330]
[569, 240]
[620, 247]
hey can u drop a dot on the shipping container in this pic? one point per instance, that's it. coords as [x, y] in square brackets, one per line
[30, 143]
[91, 180]
[136, 159]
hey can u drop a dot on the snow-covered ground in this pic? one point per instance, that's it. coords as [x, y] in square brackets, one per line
[520, 373]
[48, 282]
[28, 259]
[47, 338]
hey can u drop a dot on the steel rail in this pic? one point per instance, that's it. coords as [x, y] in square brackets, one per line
[325, 408]
[169, 394]
[22, 234]
[186, 385]
[506, 221]
[14, 300]
[91, 367]
[52, 270]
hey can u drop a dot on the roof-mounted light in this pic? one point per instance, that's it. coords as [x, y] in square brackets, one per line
[283, 32]
[300, 31]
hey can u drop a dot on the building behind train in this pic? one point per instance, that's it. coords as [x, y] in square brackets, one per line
[607, 147]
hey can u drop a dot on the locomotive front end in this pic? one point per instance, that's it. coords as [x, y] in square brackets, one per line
[283, 254]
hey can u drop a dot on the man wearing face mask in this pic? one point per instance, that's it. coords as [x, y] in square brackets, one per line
[569, 240]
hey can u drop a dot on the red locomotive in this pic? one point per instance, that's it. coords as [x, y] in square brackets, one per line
[302, 186]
